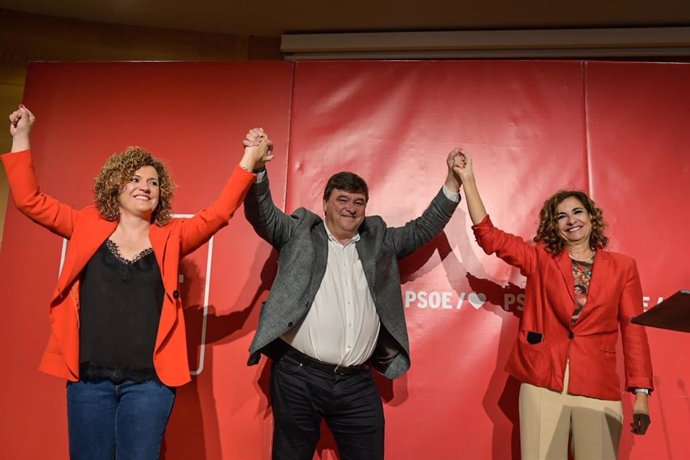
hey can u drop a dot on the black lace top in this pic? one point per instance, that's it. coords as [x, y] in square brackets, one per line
[120, 306]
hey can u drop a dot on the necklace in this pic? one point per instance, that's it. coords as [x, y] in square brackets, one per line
[587, 259]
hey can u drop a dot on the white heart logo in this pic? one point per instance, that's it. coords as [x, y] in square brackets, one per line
[476, 300]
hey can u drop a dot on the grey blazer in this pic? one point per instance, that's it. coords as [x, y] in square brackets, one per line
[302, 243]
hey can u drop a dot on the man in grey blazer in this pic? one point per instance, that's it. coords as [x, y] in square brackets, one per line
[335, 310]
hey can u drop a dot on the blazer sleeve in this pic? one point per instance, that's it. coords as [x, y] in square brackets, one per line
[43, 209]
[269, 222]
[200, 228]
[418, 232]
[510, 248]
[636, 355]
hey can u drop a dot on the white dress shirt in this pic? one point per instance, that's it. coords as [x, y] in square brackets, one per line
[342, 325]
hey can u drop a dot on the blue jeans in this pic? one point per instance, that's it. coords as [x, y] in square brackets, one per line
[124, 421]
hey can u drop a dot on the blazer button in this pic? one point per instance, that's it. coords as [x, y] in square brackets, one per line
[176, 294]
[571, 334]
[290, 324]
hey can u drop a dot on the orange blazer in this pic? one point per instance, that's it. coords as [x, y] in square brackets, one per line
[87, 230]
[546, 339]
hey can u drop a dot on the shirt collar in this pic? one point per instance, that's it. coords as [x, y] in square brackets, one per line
[354, 239]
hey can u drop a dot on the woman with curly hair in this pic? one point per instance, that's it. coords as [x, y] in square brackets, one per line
[577, 296]
[118, 333]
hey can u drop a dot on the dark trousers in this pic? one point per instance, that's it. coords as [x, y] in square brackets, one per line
[302, 395]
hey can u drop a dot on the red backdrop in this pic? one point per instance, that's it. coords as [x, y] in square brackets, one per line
[613, 129]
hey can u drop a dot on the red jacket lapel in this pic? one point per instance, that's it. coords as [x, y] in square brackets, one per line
[90, 233]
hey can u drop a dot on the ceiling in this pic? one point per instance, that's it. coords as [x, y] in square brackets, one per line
[272, 18]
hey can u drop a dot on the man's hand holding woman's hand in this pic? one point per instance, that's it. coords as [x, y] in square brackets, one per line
[258, 149]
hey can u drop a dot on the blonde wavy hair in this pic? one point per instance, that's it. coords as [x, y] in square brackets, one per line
[548, 222]
[118, 170]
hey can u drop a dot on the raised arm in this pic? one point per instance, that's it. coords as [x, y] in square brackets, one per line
[269, 222]
[512, 249]
[414, 234]
[37, 206]
[453, 182]
[463, 168]
[258, 150]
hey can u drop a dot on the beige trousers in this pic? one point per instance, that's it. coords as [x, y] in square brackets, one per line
[548, 418]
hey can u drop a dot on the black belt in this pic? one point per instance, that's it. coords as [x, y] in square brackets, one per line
[308, 361]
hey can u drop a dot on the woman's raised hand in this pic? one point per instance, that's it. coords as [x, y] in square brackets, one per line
[21, 121]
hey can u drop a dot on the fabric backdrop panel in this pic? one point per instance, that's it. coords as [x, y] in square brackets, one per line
[394, 124]
[638, 135]
[194, 116]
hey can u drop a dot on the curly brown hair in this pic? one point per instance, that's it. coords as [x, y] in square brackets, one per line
[118, 170]
[548, 222]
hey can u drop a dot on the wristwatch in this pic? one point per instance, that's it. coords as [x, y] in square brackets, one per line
[646, 391]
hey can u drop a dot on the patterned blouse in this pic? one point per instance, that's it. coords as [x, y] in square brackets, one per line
[582, 275]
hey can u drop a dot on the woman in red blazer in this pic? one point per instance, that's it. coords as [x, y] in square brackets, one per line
[578, 295]
[118, 333]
